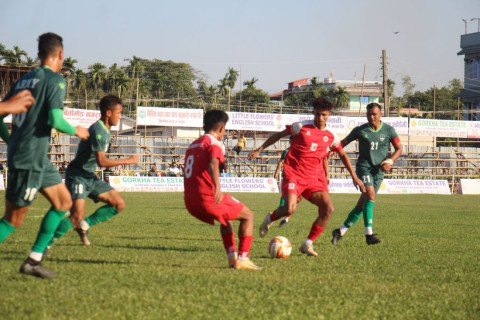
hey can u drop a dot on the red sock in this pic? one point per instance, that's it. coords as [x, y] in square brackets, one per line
[229, 242]
[244, 246]
[315, 231]
[272, 216]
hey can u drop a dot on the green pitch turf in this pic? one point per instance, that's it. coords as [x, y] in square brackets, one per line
[154, 261]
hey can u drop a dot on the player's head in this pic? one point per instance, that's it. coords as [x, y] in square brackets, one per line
[50, 44]
[322, 109]
[111, 109]
[215, 120]
[374, 113]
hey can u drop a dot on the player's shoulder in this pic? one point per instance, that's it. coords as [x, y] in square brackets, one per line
[297, 126]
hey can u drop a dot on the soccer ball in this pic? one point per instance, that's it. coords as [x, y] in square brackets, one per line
[280, 247]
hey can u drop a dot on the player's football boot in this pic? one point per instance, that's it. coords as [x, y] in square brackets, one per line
[82, 232]
[34, 268]
[336, 236]
[372, 239]
[265, 226]
[232, 259]
[284, 222]
[246, 264]
[307, 248]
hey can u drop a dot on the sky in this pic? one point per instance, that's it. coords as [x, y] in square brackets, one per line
[275, 41]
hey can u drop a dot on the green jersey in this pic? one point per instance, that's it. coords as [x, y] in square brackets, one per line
[85, 161]
[373, 145]
[284, 154]
[30, 137]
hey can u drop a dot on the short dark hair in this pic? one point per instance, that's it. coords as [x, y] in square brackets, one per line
[373, 105]
[49, 43]
[213, 119]
[108, 103]
[322, 103]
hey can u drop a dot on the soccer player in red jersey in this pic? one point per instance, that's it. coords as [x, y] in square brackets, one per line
[304, 174]
[203, 195]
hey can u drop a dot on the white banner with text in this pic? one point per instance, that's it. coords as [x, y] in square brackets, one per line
[395, 186]
[175, 184]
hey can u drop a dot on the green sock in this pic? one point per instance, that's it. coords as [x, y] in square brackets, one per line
[62, 228]
[47, 228]
[5, 229]
[353, 217]
[368, 213]
[102, 214]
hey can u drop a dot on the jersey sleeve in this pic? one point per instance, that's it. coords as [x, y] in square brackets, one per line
[215, 151]
[336, 144]
[98, 140]
[56, 92]
[294, 128]
[394, 138]
[353, 135]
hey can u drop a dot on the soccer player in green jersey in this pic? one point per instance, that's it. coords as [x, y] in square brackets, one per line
[374, 138]
[81, 179]
[28, 144]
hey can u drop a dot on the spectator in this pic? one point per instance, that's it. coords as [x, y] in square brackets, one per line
[173, 170]
[240, 144]
[153, 172]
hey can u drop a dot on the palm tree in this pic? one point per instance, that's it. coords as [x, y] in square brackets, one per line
[97, 74]
[340, 97]
[250, 83]
[18, 54]
[69, 63]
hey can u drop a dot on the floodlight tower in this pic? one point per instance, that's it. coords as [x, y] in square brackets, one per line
[478, 19]
[464, 20]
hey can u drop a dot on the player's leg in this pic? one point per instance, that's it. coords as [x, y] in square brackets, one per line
[59, 197]
[325, 210]
[370, 237]
[228, 239]
[13, 218]
[245, 236]
[286, 218]
[287, 209]
[351, 219]
[17, 201]
[98, 190]
[77, 213]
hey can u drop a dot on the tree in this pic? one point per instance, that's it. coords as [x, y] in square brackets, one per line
[340, 97]
[96, 75]
[69, 63]
[251, 94]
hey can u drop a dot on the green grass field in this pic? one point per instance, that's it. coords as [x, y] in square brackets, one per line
[154, 261]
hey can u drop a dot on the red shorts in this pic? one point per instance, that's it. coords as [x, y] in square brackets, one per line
[208, 211]
[302, 187]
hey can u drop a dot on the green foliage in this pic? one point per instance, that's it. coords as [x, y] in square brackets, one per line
[304, 97]
[155, 261]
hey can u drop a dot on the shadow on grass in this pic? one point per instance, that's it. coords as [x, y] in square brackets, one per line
[168, 238]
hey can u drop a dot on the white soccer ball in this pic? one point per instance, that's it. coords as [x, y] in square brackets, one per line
[280, 247]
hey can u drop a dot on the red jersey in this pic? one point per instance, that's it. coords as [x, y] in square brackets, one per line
[309, 147]
[197, 181]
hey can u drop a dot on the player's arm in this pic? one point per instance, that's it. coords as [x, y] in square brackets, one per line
[346, 162]
[350, 137]
[4, 134]
[17, 103]
[214, 172]
[271, 140]
[57, 121]
[104, 161]
[325, 166]
[388, 163]
[278, 168]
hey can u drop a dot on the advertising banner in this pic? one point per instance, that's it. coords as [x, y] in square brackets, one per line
[438, 128]
[395, 186]
[175, 184]
[169, 117]
[469, 186]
